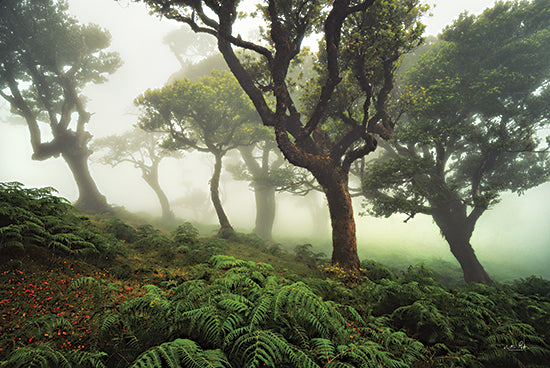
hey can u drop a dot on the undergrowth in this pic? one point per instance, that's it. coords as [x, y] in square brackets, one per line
[222, 311]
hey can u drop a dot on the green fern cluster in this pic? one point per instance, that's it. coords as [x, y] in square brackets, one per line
[47, 356]
[37, 218]
[242, 314]
[234, 313]
[465, 326]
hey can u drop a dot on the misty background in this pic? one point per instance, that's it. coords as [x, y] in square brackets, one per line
[514, 234]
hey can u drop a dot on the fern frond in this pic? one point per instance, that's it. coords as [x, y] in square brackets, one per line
[44, 356]
[180, 353]
[261, 310]
[223, 262]
[85, 282]
[367, 354]
[46, 324]
[41, 356]
[191, 291]
[305, 308]
[324, 350]
[87, 359]
[260, 348]
[425, 319]
[208, 322]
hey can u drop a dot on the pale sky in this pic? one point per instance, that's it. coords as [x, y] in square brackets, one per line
[148, 63]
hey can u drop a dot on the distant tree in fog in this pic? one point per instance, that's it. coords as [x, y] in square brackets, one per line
[210, 115]
[477, 102]
[196, 53]
[46, 60]
[144, 151]
[197, 202]
[188, 46]
[264, 167]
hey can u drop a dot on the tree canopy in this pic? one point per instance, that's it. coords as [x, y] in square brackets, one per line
[476, 104]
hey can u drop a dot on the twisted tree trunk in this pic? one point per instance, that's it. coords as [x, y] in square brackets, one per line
[89, 198]
[457, 229]
[151, 177]
[225, 227]
[344, 241]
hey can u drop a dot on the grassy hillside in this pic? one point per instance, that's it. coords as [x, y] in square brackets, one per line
[102, 292]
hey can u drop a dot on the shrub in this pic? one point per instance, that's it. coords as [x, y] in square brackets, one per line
[305, 253]
[121, 230]
[36, 218]
[185, 234]
[149, 238]
[377, 271]
[252, 240]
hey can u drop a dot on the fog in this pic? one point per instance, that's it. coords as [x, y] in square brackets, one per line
[515, 233]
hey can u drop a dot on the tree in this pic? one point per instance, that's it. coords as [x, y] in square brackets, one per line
[143, 150]
[362, 41]
[47, 58]
[264, 167]
[477, 101]
[189, 47]
[211, 115]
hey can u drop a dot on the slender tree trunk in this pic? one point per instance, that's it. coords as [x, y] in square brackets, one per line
[344, 242]
[225, 227]
[452, 221]
[89, 198]
[153, 181]
[265, 211]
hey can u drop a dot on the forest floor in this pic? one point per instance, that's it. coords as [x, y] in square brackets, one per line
[116, 293]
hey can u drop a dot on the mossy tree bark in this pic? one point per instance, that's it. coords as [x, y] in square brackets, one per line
[344, 241]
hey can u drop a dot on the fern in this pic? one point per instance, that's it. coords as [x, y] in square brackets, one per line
[223, 262]
[323, 350]
[36, 218]
[302, 307]
[517, 342]
[44, 356]
[259, 348]
[423, 318]
[45, 325]
[180, 353]
[367, 354]
[103, 291]
[208, 322]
